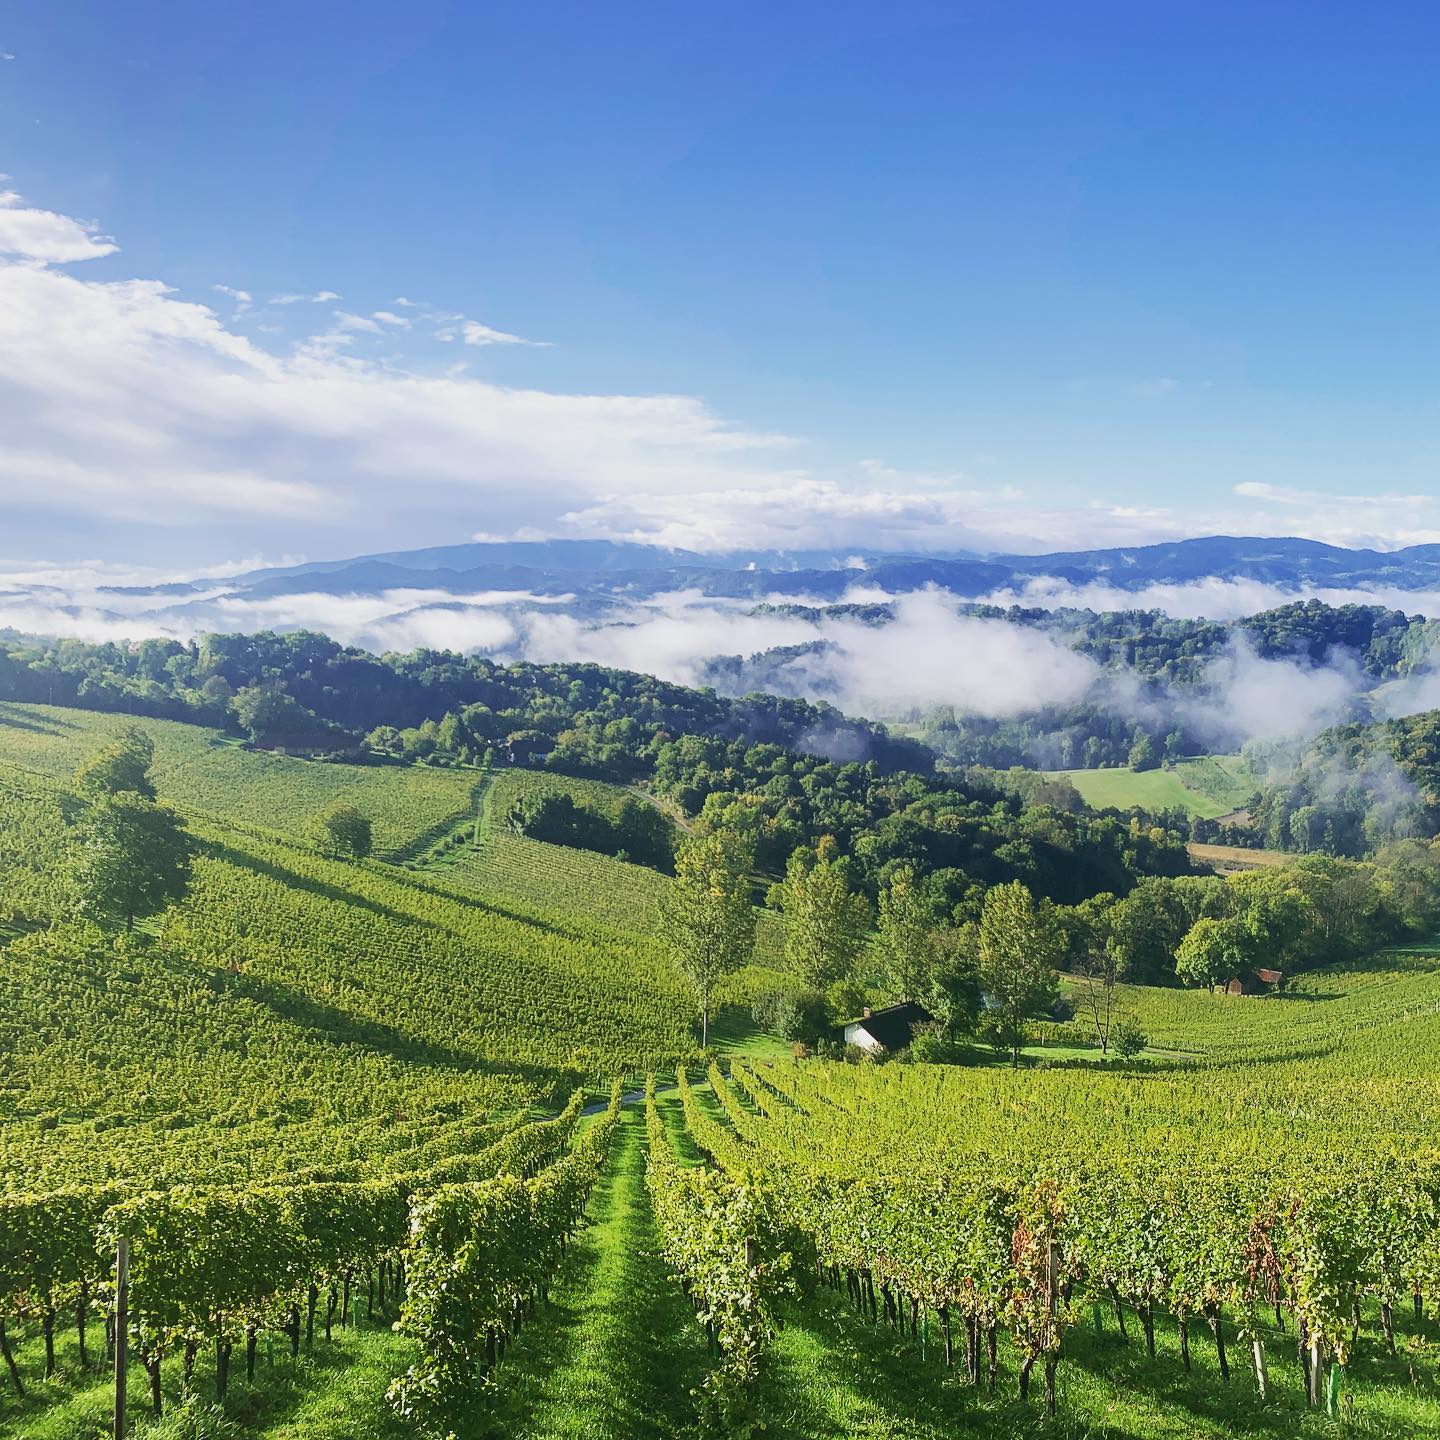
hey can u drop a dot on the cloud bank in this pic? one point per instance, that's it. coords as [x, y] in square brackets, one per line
[124, 403]
[929, 655]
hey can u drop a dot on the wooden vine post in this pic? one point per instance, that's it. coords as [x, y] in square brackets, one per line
[122, 1326]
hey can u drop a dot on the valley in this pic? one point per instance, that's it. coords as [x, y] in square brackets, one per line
[387, 1029]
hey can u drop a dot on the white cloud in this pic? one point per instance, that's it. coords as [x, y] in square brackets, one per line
[1265, 699]
[1381, 522]
[344, 320]
[44, 236]
[1211, 598]
[801, 512]
[474, 333]
[242, 298]
[120, 399]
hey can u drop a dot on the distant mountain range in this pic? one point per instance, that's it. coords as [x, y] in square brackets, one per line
[600, 571]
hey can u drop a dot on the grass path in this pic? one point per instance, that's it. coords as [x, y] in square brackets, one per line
[617, 1351]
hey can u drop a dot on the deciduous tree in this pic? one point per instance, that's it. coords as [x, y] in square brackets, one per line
[825, 923]
[707, 920]
[132, 857]
[907, 944]
[1019, 944]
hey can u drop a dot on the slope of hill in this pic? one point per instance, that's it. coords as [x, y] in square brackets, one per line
[207, 773]
[1205, 785]
[298, 1017]
[295, 986]
[569, 884]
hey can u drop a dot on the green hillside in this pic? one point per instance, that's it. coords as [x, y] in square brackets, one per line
[573, 884]
[205, 771]
[1204, 785]
[298, 989]
[307, 1071]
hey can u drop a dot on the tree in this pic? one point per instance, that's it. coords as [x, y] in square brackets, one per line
[343, 833]
[954, 994]
[1148, 925]
[132, 857]
[1214, 950]
[907, 938]
[118, 769]
[1019, 943]
[267, 711]
[1099, 968]
[825, 924]
[706, 918]
[1143, 755]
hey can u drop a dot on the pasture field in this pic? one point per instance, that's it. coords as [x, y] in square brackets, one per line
[1204, 785]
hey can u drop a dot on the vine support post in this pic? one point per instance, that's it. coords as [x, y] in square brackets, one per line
[122, 1328]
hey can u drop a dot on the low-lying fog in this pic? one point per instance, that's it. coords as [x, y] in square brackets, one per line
[928, 655]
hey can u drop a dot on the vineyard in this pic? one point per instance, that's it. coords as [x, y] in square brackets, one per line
[337, 1113]
[204, 772]
[569, 885]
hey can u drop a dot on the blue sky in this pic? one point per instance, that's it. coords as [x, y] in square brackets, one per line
[1016, 275]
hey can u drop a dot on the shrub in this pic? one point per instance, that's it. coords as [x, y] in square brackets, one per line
[800, 1015]
[934, 1045]
[1127, 1039]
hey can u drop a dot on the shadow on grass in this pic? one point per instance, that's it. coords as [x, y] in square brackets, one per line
[347, 1377]
[327, 1023]
[14, 716]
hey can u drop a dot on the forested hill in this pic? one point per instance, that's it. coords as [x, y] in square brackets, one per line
[304, 691]
[1352, 788]
[781, 772]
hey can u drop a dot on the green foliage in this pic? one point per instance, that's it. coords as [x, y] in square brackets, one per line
[1143, 754]
[1019, 945]
[935, 1045]
[719, 1235]
[802, 1015]
[194, 1419]
[1352, 790]
[132, 857]
[1128, 1038]
[632, 830]
[1214, 951]
[707, 918]
[481, 1255]
[270, 715]
[907, 944]
[825, 923]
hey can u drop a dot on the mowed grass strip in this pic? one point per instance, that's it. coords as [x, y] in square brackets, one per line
[617, 1351]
